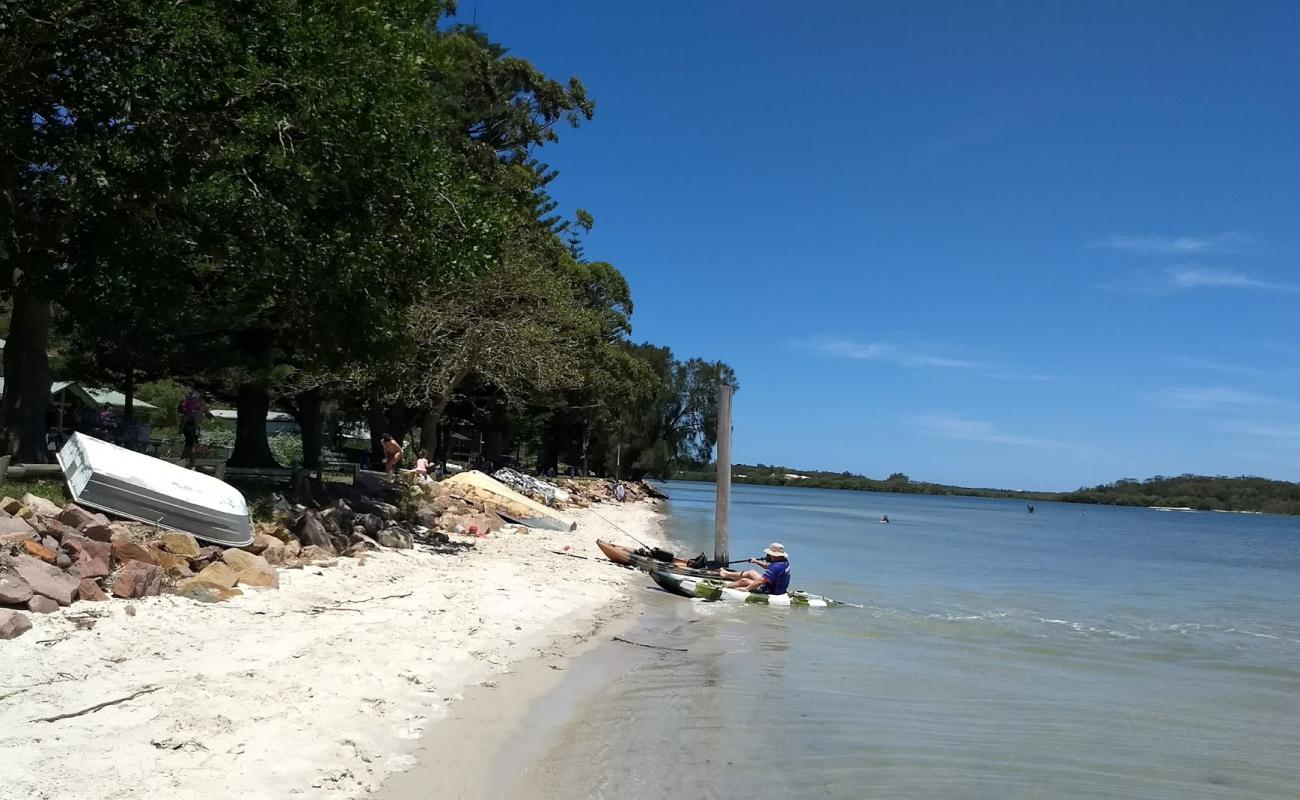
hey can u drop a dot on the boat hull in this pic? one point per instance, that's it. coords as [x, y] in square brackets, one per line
[714, 591]
[628, 557]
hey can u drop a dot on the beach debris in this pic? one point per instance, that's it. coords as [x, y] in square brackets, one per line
[138, 579]
[99, 706]
[536, 488]
[651, 646]
[13, 624]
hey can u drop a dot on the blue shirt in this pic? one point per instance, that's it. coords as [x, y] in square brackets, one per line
[777, 577]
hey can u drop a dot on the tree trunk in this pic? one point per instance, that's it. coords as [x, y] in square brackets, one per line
[429, 430]
[378, 423]
[312, 424]
[251, 446]
[27, 376]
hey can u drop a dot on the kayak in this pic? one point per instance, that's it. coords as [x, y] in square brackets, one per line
[628, 557]
[713, 590]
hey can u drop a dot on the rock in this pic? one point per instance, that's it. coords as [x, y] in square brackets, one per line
[387, 511]
[10, 506]
[292, 549]
[46, 579]
[372, 523]
[13, 589]
[269, 548]
[38, 550]
[12, 538]
[280, 508]
[207, 555]
[63, 561]
[130, 610]
[50, 543]
[311, 532]
[10, 525]
[54, 528]
[356, 550]
[138, 579]
[395, 536]
[341, 514]
[77, 517]
[311, 554]
[40, 506]
[93, 559]
[90, 591]
[126, 550]
[175, 566]
[13, 624]
[427, 517]
[41, 605]
[180, 543]
[445, 503]
[217, 574]
[204, 592]
[253, 570]
[100, 532]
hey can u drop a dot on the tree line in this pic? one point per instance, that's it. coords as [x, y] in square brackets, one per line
[335, 209]
[1199, 492]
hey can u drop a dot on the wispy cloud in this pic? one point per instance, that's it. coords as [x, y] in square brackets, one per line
[1151, 244]
[916, 358]
[1191, 276]
[951, 426]
[1274, 431]
[1207, 398]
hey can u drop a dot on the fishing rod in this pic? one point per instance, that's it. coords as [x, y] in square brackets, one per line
[625, 533]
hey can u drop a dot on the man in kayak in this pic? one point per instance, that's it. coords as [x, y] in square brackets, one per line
[775, 578]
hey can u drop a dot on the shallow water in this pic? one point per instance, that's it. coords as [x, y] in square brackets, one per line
[1079, 651]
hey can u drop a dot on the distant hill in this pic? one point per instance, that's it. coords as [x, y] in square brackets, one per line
[1204, 493]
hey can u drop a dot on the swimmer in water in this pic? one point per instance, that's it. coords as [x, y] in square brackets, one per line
[884, 519]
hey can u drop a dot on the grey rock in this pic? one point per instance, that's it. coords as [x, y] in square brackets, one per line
[13, 624]
[13, 589]
[371, 522]
[396, 537]
[41, 605]
[46, 579]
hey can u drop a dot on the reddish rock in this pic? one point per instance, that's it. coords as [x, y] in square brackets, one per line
[13, 624]
[272, 549]
[292, 549]
[54, 528]
[180, 543]
[90, 591]
[219, 575]
[125, 550]
[98, 532]
[174, 565]
[91, 558]
[138, 579]
[39, 604]
[13, 589]
[318, 556]
[38, 551]
[11, 538]
[77, 517]
[46, 579]
[10, 525]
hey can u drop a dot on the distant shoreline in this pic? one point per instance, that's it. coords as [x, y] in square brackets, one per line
[1191, 492]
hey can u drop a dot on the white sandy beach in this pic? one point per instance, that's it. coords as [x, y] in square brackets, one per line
[318, 689]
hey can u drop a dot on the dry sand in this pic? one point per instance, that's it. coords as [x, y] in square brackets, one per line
[318, 689]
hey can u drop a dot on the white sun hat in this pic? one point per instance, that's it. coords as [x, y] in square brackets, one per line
[776, 550]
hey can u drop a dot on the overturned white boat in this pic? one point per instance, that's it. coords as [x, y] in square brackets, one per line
[137, 486]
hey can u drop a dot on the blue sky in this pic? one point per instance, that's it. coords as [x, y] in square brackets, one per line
[1029, 244]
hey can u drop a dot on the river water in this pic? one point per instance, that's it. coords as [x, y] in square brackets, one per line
[1077, 652]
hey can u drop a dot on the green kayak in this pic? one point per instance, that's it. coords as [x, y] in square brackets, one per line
[688, 586]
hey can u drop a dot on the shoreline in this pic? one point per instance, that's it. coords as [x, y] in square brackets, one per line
[328, 686]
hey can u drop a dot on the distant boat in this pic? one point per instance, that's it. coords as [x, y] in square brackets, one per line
[1170, 508]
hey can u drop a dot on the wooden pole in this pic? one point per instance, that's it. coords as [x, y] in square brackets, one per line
[722, 510]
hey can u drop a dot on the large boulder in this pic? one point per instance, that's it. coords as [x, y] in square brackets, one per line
[46, 579]
[268, 547]
[427, 517]
[13, 624]
[217, 574]
[10, 525]
[91, 558]
[387, 511]
[125, 550]
[311, 532]
[138, 579]
[395, 536]
[253, 570]
[39, 604]
[180, 543]
[77, 517]
[172, 564]
[373, 523]
[90, 591]
[40, 506]
[13, 589]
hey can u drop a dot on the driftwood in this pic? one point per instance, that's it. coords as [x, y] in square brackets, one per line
[651, 646]
[97, 706]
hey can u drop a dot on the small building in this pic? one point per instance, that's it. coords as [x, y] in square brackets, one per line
[276, 421]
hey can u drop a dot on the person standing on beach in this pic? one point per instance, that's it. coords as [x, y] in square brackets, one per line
[775, 578]
[392, 453]
[190, 409]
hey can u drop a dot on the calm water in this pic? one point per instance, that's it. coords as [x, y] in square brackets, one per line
[1079, 652]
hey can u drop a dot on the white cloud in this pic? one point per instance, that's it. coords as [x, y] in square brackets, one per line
[1150, 244]
[1191, 276]
[885, 352]
[1205, 398]
[1269, 430]
[950, 426]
